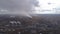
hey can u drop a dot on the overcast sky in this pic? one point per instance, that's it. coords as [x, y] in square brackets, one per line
[48, 7]
[24, 6]
[17, 5]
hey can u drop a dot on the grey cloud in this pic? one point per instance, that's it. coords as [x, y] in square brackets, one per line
[20, 5]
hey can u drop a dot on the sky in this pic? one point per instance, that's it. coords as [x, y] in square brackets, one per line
[29, 6]
[17, 6]
[48, 7]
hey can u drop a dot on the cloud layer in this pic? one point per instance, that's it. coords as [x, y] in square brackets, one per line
[17, 5]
